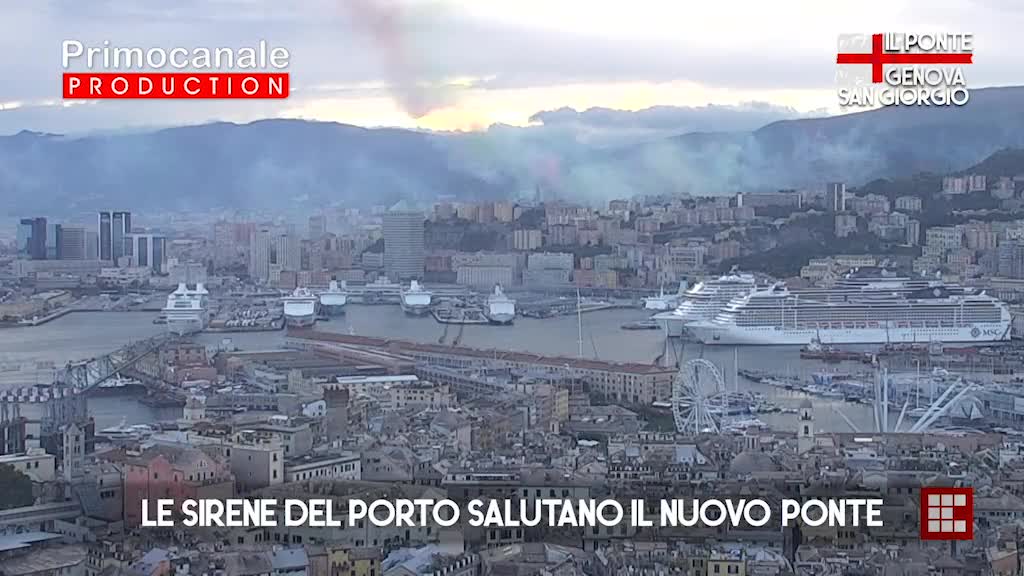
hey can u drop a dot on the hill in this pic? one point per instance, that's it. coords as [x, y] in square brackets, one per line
[284, 164]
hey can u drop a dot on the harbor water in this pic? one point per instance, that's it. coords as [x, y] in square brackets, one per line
[29, 355]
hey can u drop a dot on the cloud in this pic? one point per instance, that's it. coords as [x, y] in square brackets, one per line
[672, 119]
[418, 48]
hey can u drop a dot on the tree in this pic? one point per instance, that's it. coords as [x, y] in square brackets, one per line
[15, 488]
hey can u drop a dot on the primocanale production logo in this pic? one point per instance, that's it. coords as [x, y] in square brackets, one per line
[109, 71]
[903, 69]
[947, 514]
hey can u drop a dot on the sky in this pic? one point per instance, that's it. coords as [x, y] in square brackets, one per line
[468, 64]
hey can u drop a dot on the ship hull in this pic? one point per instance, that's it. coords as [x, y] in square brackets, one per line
[416, 309]
[501, 319]
[332, 309]
[303, 321]
[672, 326]
[709, 333]
[185, 326]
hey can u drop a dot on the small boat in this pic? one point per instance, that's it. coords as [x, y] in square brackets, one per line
[649, 324]
[124, 432]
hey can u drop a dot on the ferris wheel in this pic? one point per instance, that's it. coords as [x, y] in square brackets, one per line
[698, 397]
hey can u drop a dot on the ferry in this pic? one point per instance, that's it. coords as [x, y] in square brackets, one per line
[185, 312]
[663, 302]
[300, 308]
[500, 308]
[416, 300]
[332, 302]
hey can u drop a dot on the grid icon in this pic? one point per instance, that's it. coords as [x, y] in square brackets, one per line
[947, 513]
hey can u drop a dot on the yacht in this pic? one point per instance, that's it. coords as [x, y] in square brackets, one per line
[185, 312]
[300, 308]
[500, 308]
[332, 302]
[703, 301]
[416, 300]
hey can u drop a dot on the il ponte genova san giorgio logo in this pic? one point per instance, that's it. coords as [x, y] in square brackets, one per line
[903, 69]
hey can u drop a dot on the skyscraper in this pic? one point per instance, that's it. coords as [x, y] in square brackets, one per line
[32, 238]
[113, 227]
[403, 242]
[260, 245]
[835, 197]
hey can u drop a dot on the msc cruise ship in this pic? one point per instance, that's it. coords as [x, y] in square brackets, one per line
[703, 301]
[858, 311]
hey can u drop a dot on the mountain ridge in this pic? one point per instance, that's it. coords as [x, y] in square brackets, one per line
[280, 164]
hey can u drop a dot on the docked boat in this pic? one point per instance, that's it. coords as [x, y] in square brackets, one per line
[500, 308]
[185, 312]
[449, 314]
[300, 308]
[817, 351]
[703, 301]
[663, 301]
[889, 310]
[124, 432]
[416, 300]
[649, 324]
[333, 300]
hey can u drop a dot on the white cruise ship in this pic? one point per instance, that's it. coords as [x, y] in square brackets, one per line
[663, 302]
[703, 301]
[416, 300]
[185, 312]
[333, 300]
[300, 307]
[500, 308]
[874, 313]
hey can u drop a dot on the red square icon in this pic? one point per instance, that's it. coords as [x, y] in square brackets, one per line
[947, 513]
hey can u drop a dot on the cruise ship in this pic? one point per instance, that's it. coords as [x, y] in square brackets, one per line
[858, 312]
[416, 300]
[300, 307]
[332, 301]
[500, 308]
[185, 312]
[703, 301]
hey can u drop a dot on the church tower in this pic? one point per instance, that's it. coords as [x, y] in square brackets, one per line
[805, 430]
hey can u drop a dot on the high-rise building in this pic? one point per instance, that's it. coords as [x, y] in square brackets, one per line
[147, 251]
[112, 229]
[32, 238]
[317, 226]
[835, 197]
[260, 246]
[287, 252]
[403, 242]
[73, 243]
